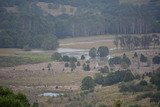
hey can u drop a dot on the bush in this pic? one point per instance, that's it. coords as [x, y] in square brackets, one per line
[82, 57]
[116, 60]
[143, 58]
[118, 76]
[103, 51]
[156, 59]
[56, 56]
[143, 82]
[98, 78]
[9, 99]
[66, 64]
[88, 83]
[78, 63]
[86, 67]
[93, 52]
[135, 55]
[143, 96]
[104, 70]
[73, 59]
[155, 97]
[65, 58]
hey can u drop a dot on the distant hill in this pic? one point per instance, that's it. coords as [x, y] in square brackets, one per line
[24, 22]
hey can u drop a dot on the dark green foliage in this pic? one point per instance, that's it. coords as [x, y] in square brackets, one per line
[144, 95]
[73, 59]
[143, 58]
[56, 56]
[50, 43]
[118, 18]
[78, 63]
[124, 61]
[155, 97]
[9, 99]
[135, 55]
[86, 67]
[93, 52]
[105, 69]
[103, 51]
[156, 59]
[82, 57]
[135, 87]
[88, 83]
[143, 82]
[65, 58]
[118, 76]
[155, 79]
[98, 78]
[72, 65]
[115, 60]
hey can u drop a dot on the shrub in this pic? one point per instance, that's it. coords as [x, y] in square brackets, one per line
[9, 99]
[103, 51]
[86, 67]
[143, 96]
[87, 83]
[66, 64]
[56, 56]
[65, 58]
[82, 57]
[143, 82]
[78, 63]
[73, 59]
[98, 78]
[116, 60]
[93, 52]
[143, 58]
[156, 59]
[104, 70]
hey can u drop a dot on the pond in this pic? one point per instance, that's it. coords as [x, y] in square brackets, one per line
[74, 52]
[78, 52]
[51, 94]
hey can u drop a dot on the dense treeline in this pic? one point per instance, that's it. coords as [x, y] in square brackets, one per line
[136, 42]
[28, 24]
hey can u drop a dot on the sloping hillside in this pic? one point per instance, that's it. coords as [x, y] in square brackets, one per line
[26, 22]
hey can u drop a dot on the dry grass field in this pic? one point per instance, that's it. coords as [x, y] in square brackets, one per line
[33, 79]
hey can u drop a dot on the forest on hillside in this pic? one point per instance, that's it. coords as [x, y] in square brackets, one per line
[29, 22]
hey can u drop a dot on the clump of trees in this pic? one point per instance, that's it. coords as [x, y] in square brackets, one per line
[136, 42]
[102, 51]
[9, 99]
[88, 83]
[124, 61]
[114, 77]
